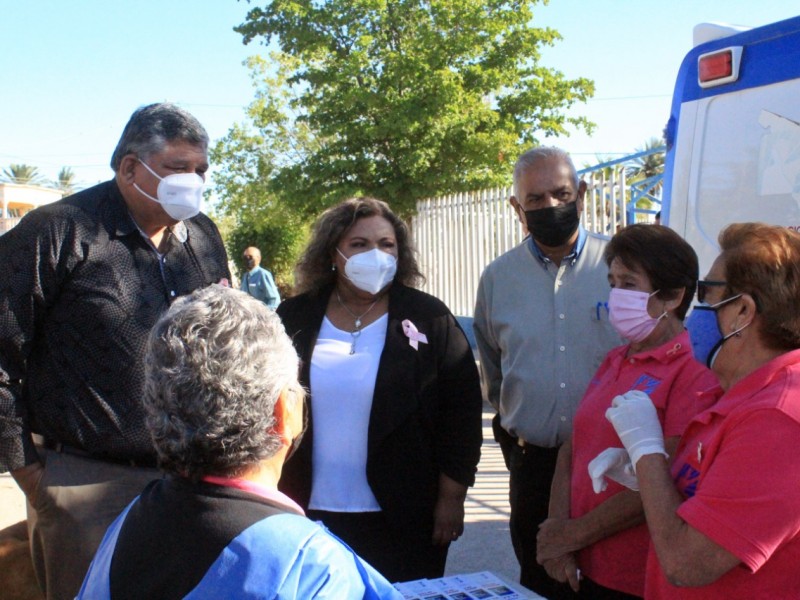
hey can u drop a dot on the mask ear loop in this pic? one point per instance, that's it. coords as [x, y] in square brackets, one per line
[712, 356]
[738, 332]
[156, 175]
[664, 304]
[146, 166]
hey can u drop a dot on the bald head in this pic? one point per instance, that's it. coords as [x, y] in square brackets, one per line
[251, 257]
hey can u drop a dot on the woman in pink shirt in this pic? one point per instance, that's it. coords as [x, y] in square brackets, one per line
[725, 517]
[596, 525]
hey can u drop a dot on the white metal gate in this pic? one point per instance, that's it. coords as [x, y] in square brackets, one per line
[459, 234]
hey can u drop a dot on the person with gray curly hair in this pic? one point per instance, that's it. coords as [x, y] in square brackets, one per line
[224, 409]
[214, 371]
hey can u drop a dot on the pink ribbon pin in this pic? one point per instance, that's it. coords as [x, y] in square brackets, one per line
[413, 335]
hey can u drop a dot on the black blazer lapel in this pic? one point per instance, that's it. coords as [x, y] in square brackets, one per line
[396, 385]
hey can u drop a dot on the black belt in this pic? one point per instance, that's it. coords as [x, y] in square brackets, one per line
[139, 463]
[529, 448]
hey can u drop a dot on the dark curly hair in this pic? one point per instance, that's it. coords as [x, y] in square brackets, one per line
[313, 271]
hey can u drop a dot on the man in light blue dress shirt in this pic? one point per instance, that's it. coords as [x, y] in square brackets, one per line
[258, 282]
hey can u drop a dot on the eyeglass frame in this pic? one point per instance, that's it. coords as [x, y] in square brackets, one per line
[704, 284]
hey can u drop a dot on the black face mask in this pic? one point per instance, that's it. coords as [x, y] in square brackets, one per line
[554, 225]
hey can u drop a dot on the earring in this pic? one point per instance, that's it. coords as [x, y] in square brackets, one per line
[333, 267]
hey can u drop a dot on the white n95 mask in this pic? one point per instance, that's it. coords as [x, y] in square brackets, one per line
[179, 194]
[370, 271]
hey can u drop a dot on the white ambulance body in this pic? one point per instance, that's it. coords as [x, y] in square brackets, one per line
[733, 140]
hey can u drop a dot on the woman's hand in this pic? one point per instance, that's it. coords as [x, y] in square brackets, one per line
[448, 516]
[564, 569]
[556, 538]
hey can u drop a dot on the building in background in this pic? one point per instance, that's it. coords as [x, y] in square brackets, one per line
[18, 199]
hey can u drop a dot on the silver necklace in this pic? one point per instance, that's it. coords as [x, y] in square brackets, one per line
[357, 331]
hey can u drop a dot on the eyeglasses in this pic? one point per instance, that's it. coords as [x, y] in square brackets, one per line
[704, 284]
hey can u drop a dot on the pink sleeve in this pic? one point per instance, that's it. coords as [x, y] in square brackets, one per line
[747, 498]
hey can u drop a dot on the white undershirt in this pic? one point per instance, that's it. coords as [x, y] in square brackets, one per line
[342, 386]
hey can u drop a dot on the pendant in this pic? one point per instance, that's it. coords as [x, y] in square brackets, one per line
[354, 335]
[358, 323]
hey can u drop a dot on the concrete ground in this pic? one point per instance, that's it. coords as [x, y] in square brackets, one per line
[485, 545]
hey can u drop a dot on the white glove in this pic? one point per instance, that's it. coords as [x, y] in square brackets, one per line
[615, 464]
[635, 419]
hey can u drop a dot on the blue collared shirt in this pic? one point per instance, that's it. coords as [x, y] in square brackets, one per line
[260, 285]
[571, 257]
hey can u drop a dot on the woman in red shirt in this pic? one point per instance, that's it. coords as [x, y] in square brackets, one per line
[652, 274]
[724, 518]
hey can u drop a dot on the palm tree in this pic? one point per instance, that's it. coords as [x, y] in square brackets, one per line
[645, 172]
[24, 174]
[66, 180]
[648, 165]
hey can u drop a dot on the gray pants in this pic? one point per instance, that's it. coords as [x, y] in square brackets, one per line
[78, 498]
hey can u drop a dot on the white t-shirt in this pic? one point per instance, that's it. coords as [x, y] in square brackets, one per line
[342, 386]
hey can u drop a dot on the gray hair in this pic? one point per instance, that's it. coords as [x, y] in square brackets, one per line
[151, 127]
[215, 365]
[534, 155]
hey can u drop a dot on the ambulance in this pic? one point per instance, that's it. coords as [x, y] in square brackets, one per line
[733, 136]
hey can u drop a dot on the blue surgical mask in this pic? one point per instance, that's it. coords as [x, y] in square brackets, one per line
[704, 332]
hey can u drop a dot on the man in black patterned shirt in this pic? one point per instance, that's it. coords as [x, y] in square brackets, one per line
[82, 281]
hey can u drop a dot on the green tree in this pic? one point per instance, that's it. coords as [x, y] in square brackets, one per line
[66, 180]
[401, 99]
[24, 174]
[249, 203]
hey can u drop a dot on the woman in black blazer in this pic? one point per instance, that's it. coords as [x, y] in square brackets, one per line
[394, 430]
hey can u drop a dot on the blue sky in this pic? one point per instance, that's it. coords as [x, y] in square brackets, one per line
[73, 72]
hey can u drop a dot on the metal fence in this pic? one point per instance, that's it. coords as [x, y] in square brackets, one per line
[459, 234]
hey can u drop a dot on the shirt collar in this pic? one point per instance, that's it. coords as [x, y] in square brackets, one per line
[122, 220]
[753, 383]
[668, 351]
[177, 231]
[125, 223]
[268, 493]
[572, 257]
